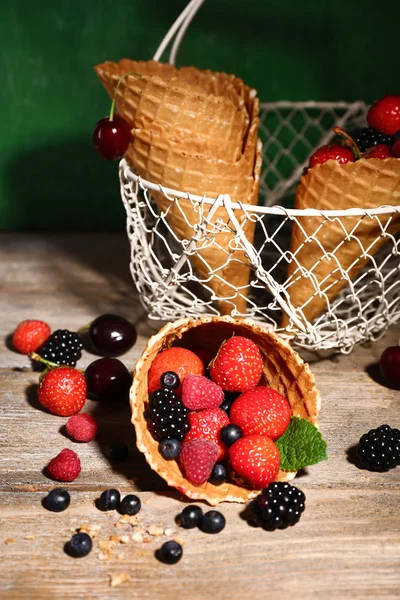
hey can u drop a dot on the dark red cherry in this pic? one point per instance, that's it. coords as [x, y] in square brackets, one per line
[108, 379]
[112, 335]
[111, 138]
[389, 364]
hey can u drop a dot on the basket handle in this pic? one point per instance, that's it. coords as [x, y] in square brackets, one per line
[178, 29]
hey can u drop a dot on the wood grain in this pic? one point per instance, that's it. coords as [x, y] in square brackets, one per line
[346, 545]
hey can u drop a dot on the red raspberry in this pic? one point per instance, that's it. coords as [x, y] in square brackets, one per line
[384, 115]
[66, 466]
[29, 335]
[238, 365]
[198, 393]
[261, 411]
[179, 360]
[197, 459]
[380, 151]
[255, 459]
[62, 391]
[342, 154]
[206, 425]
[81, 428]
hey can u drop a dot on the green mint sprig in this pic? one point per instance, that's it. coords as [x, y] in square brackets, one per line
[301, 445]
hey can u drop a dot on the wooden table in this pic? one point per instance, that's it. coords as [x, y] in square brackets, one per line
[346, 545]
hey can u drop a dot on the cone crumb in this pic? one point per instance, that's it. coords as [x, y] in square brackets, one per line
[155, 530]
[117, 579]
[137, 537]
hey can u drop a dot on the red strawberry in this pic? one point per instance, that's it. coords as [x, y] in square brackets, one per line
[62, 391]
[378, 151]
[81, 428]
[261, 411]
[198, 392]
[29, 335]
[384, 115]
[255, 459]
[66, 466]
[238, 365]
[342, 154]
[197, 459]
[179, 360]
[206, 425]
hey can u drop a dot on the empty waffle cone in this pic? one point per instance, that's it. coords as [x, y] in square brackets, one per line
[283, 370]
[325, 248]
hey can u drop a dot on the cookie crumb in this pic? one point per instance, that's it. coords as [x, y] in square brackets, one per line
[117, 579]
[124, 539]
[155, 530]
[29, 537]
[9, 541]
[168, 531]
[131, 520]
[90, 529]
[137, 537]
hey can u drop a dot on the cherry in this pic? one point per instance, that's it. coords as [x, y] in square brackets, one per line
[112, 335]
[108, 379]
[389, 365]
[342, 154]
[111, 137]
[384, 115]
[378, 151]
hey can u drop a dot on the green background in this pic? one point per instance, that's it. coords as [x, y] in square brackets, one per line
[51, 178]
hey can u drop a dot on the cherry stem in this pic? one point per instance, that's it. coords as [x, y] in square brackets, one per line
[84, 329]
[116, 90]
[351, 143]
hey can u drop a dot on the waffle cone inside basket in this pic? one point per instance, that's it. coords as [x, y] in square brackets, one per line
[283, 370]
[343, 243]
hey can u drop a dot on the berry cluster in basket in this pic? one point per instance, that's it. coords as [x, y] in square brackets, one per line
[381, 139]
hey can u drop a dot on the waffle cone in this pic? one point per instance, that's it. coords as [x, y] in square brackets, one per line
[283, 370]
[366, 183]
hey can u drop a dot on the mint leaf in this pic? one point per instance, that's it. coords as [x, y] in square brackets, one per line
[301, 445]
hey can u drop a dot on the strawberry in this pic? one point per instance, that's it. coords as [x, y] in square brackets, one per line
[197, 459]
[206, 425]
[66, 466]
[255, 459]
[378, 151]
[179, 360]
[62, 391]
[29, 335]
[198, 392]
[238, 365]
[342, 154]
[261, 411]
[384, 115]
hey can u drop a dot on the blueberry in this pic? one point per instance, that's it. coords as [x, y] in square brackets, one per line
[230, 434]
[130, 505]
[226, 406]
[109, 500]
[118, 452]
[190, 517]
[219, 474]
[170, 552]
[57, 500]
[169, 379]
[212, 522]
[170, 449]
[79, 545]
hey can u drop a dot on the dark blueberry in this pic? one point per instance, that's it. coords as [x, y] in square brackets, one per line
[109, 500]
[219, 474]
[130, 505]
[57, 500]
[169, 379]
[112, 335]
[212, 522]
[190, 517]
[79, 545]
[170, 552]
[108, 379]
[226, 406]
[170, 449]
[230, 434]
[277, 507]
[118, 452]
[379, 449]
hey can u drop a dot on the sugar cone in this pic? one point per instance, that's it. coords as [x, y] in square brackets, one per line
[283, 370]
[366, 183]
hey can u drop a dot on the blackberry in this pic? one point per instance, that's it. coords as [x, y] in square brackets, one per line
[368, 136]
[62, 347]
[278, 506]
[379, 449]
[167, 416]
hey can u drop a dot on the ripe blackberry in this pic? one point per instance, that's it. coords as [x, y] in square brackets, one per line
[62, 347]
[278, 506]
[167, 416]
[379, 449]
[368, 136]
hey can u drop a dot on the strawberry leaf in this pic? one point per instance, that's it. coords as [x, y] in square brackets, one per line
[301, 445]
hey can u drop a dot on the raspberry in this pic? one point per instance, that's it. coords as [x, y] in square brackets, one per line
[278, 506]
[29, 335]
[198, 392]
[81, 428]
[197, 459]
[379, 449]
[380, 151]
[66, 466]
[63, 347]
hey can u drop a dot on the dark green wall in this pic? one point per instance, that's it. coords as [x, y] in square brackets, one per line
[50, 98]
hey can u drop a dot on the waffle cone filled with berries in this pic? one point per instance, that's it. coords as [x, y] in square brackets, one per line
[282, 370]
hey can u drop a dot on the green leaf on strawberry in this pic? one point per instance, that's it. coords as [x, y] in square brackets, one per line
[301, 445]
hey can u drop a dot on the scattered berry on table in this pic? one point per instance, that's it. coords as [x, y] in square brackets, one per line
[170, 552]
[238, 365]
[166, 415]
[111, 139]
[118, 452]
[109, 500]
[29, 335]
[57, 500]
[278, 506]
[81, 428]
[342, 154]
[255, 459]
[108, 379]
[199, 392]
[197, 459]
[384, 115]
[230, 433]
[261, 411]
[62, 347]
[389, 364]
[112, 335]
[179, 360]
[190, 517]
[170, 449]
[66, 466]
[169, 379]
[380, 151]
[219, 474]
[367, 137]
[62, 391]
[79, 545]
[206, 425]
[212, 522]
[130, 505]
[379, 449]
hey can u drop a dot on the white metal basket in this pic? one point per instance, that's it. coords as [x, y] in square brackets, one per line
[160, 261]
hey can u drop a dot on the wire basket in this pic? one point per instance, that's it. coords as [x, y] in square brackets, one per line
[366, 286]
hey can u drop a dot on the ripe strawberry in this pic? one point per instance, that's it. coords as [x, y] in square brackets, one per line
[206, 425]
[62, 391]
[81, 428]
[238, 365]
[66, 466]
[379, 151]
[384, 115]
[198, 393]
[29, 335]
[342, 154]
[197, 459]
[261, 411]
[255, 459]
[179, 360]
